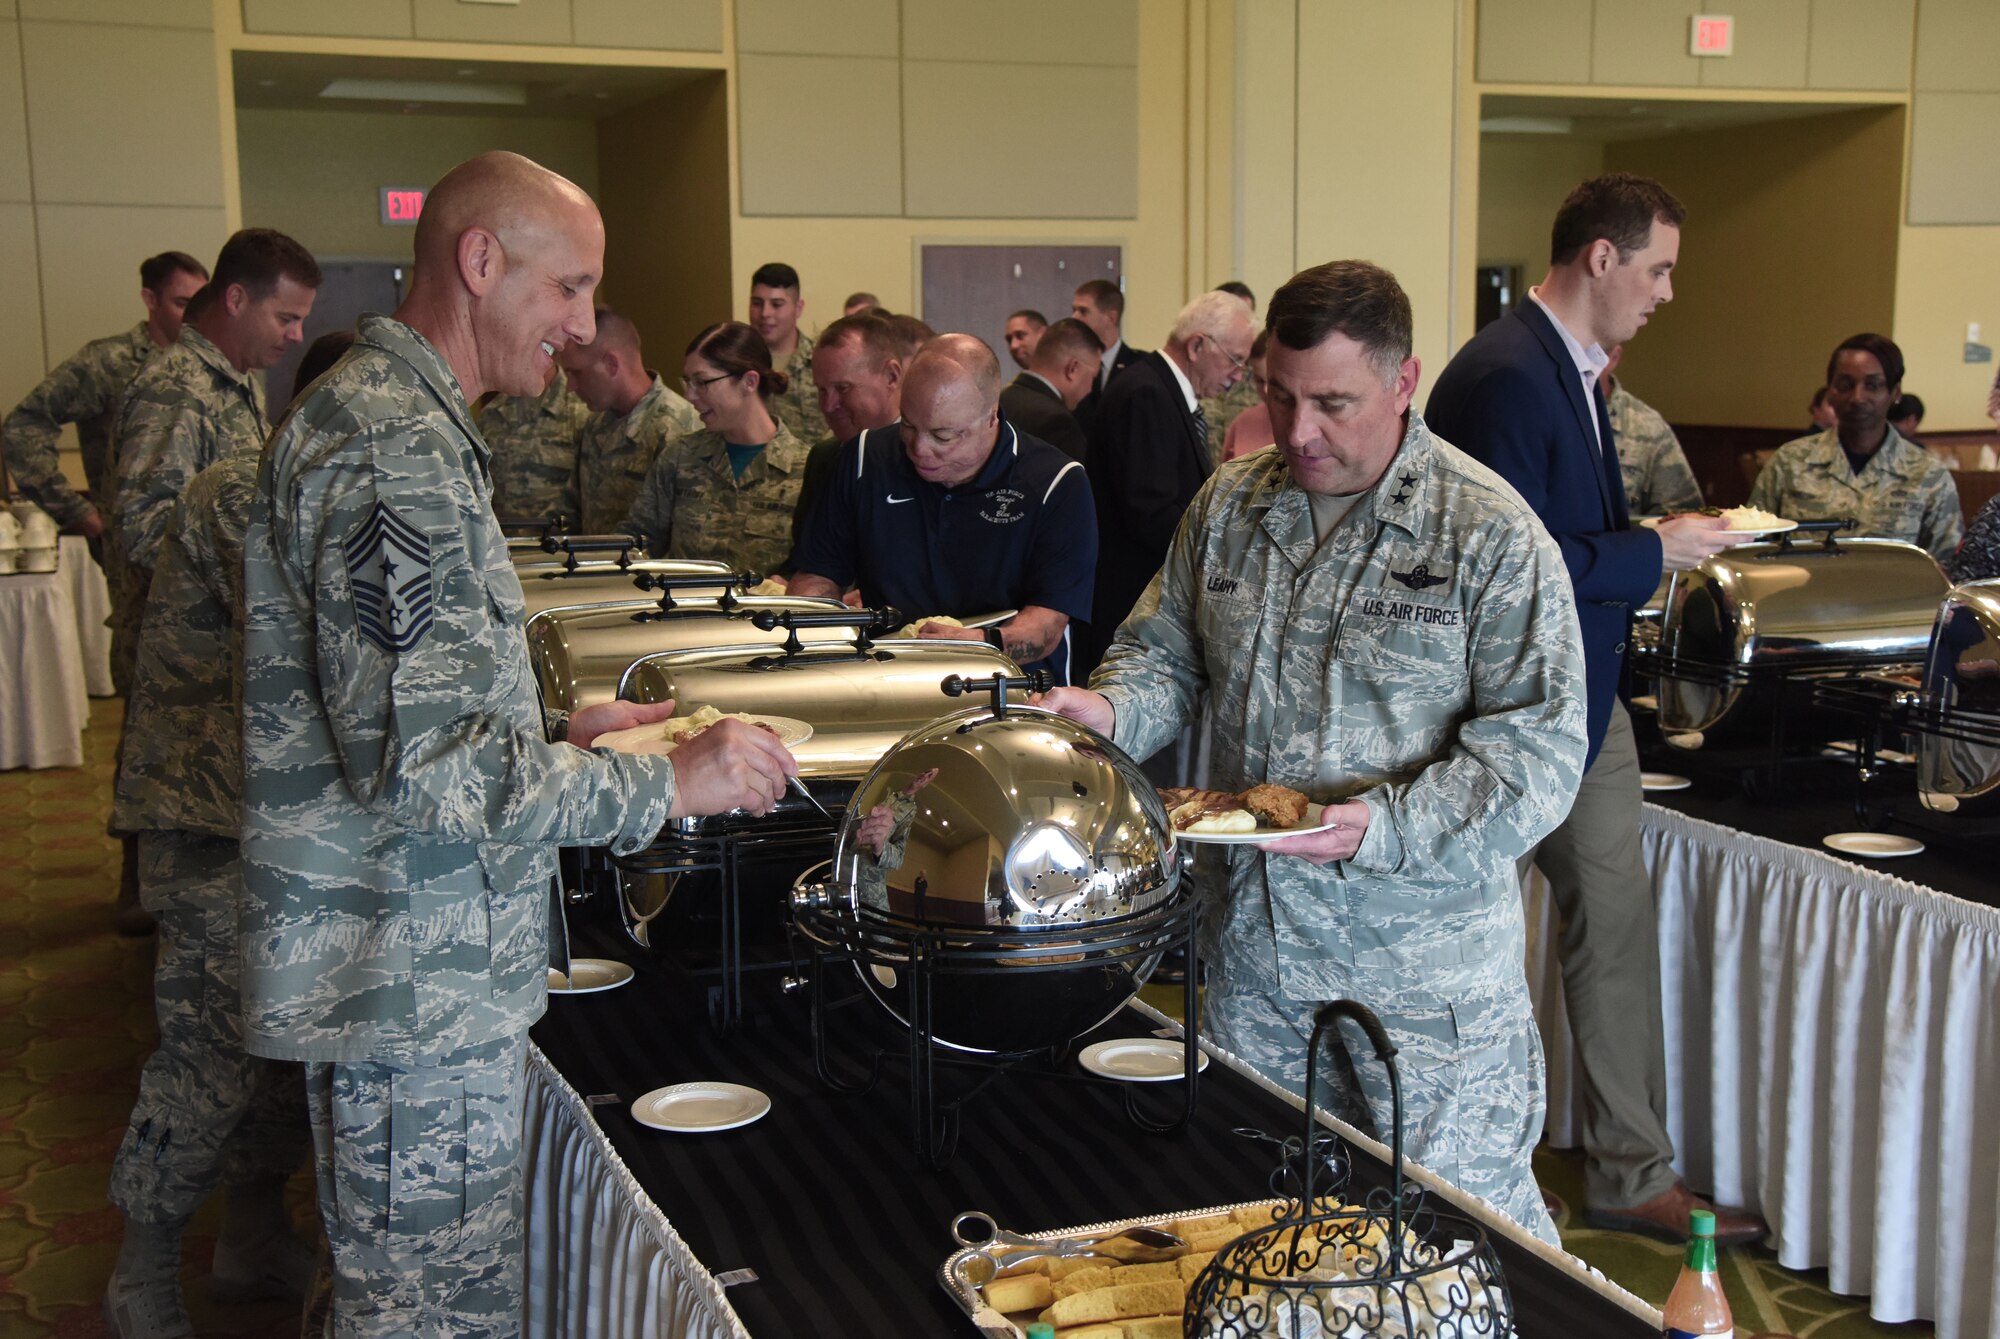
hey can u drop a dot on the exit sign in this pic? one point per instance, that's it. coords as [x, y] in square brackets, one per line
[1711, 35]
[401, 206]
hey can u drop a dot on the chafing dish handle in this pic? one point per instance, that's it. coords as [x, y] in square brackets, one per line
[571, 546]
[668, 582]
[1826, 530]
[957, 685]
[863, 621]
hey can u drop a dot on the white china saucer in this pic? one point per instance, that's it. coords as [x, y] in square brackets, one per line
[700, 1108]
[1138, 1059]
[1663, 781]
[587, 976]
[1880, 845]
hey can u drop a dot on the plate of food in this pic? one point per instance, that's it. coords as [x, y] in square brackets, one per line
[1752, 522]
[663, 737]
[1242, 818]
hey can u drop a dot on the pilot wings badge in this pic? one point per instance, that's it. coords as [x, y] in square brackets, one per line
[389, 569]
[1419, 577]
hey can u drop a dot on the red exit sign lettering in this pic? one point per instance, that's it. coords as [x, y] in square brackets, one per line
[401, 207]
[1711, 35]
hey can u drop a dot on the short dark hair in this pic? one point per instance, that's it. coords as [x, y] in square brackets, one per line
[736, 348]
[1240, 289]
[775, 274]
[1034, 317]
[1618, 207]
[876, 334]
[155, 271]
[1910, 406]
[1345, 297]
[1819, 397]
[258, 258]
[1104, 295]
[1067, 338]
[1880, 347]
[911, 334]
[321, 354]
[1259, 345]
[863, 299]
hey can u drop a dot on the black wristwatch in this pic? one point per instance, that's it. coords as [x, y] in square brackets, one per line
[995, 640]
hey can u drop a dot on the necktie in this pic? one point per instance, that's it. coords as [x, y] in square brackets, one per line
[1200, 426]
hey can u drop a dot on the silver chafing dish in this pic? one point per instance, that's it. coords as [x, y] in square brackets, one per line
[1957, 714]
[1024, 858]
[1745, 634]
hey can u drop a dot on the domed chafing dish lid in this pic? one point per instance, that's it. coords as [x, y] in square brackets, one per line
[1021, 821]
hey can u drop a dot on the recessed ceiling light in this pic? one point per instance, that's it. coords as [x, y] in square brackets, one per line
[267, 83]
[468, 70]
[1526, 125]
[426, 90]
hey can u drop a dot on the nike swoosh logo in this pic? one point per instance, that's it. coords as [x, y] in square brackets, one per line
[893, 499]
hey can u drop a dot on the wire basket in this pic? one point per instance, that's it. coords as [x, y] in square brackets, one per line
[1393, 1266]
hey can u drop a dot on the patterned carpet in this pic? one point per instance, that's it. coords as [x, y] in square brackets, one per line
[76, 1022]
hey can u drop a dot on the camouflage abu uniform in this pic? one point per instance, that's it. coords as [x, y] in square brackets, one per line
[1901, 493]
[186, 409]
[798, 407]
[1658, 479]
[532, 442]
[202, 1097]
[403, 809]
[1425, 660]
[694, 506]
[616, 451]
[86, 390]
[1222, 410]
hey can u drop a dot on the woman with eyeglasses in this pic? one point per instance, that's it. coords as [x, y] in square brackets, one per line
[728, 491]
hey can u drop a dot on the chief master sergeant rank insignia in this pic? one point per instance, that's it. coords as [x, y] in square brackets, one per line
[389, 568]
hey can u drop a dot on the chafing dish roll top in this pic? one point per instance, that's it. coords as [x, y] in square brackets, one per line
[1776, 608]
[1958, 746]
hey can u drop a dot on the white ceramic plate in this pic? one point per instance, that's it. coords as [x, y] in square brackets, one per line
[1138, 1059]
[1764, 532]
[1314, 822]
[1879, 845]
[587, 976]
[1663, 781]
[700, 1108]
[647, 738]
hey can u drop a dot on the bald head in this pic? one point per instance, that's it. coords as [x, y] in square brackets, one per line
[951, 409]
[960, 358]
[508, 257]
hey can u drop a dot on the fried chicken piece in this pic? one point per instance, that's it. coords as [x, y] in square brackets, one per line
[1275, 806]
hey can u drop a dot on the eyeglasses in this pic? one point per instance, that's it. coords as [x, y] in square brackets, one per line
[1237, 364]
[689, 385]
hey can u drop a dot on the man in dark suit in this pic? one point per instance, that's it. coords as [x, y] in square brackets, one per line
[1100, 304]
[1062, 370]
[1524, 397]
[1149, 453]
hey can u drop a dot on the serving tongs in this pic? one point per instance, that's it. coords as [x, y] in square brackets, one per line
[1128, 1245]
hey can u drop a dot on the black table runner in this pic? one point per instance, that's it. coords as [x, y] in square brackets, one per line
[826, 1199]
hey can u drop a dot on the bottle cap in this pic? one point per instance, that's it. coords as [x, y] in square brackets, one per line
[1041, 1329]
[1701, 1223]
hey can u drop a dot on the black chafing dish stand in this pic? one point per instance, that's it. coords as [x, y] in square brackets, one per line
[819, 1198]
[1892, 711]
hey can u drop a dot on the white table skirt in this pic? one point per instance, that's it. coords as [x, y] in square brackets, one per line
[43, 703]
[603, 1261]
[92, 596]
[1833, 1061]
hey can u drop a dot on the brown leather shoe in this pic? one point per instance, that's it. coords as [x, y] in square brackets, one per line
[1665, 1217]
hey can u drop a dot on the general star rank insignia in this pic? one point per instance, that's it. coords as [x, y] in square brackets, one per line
[389, 568]
[1419, 578]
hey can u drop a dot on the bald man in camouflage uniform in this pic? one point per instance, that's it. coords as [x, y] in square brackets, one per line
[1376, 620]
[207, 1111]
[404, 802]
[533, 440]
[86, 389]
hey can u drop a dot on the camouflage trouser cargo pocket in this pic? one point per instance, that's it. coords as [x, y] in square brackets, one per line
[420, 1187]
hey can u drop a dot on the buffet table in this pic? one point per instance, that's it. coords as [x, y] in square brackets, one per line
[44, 704]
[819, 1219]
[1833, 1044]
[91, 595]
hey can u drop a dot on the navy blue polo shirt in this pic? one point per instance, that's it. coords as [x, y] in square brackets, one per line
[1022, 532]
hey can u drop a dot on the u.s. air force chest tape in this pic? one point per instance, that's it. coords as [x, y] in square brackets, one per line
[389, 570]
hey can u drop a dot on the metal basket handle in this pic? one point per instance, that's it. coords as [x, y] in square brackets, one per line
[1327, 1019]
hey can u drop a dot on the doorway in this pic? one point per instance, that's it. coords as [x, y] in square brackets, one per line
[347, 288]
[974, 289]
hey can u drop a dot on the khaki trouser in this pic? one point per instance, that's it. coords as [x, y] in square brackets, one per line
[1610, 950]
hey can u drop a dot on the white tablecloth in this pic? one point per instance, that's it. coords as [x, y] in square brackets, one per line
[43, 702]
[92, 596]
[1833, 1061]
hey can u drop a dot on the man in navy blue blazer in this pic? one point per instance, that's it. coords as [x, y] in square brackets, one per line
[1523, 396]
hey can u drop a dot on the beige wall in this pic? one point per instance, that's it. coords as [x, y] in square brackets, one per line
[1522, 180]
[1946, 277]
[315, 174]
[1770, 278]
[666, 220]
[110, 151]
